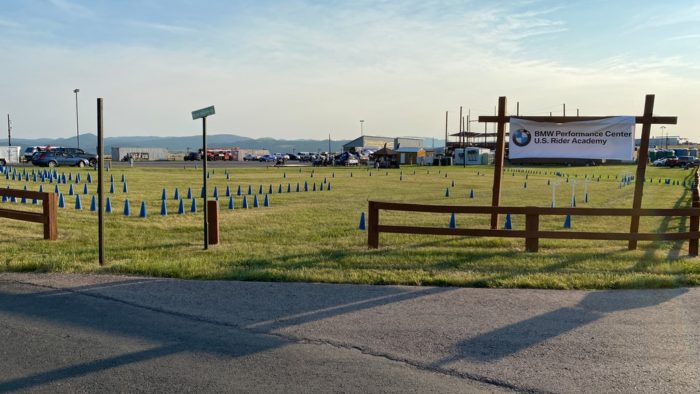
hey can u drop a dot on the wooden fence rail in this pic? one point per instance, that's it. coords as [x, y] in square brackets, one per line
[532, 233]
[47, 217]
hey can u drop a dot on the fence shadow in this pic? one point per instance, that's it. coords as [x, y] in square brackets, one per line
[508, 340]
[174, 333]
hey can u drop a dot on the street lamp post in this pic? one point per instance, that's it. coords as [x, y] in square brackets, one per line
[77, 124]
[663, 128]
[362, 127]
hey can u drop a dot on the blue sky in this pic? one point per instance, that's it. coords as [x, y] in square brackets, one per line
[303, 69]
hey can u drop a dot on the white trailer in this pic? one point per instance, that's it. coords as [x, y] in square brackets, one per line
[9, 155]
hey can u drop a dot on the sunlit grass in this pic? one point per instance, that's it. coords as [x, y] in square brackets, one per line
[313, 236]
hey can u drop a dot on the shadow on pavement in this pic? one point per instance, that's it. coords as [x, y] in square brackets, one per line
[508, 340]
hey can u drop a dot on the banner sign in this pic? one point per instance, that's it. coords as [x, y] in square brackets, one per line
[608, 138]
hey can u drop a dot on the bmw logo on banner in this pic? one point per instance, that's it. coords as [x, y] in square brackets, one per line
[521, 137]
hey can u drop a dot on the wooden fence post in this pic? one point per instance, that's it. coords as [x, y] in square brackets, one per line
[373, 228]
[694, 220]
[532, 225]
[50, 208]
[213, 222]
[642, 158]
[500, 156]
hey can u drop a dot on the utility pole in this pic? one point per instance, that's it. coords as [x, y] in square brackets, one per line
[362, 127]
[563, 109]
[446, 114]
[9, 131]
[461, 122]
[77, 126]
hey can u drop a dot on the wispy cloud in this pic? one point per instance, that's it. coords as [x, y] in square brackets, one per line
[72, 8]
[685, 37]
[9, 24]
[167, 28]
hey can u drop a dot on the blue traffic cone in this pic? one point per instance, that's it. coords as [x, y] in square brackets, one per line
[266, 203]
[306, 186]
[203, 193]
[143, 214]
[125, 189]
[447, 192]
[189, 193]
[228, 191]
[181, 207]
[314, 188]
[548, 182]
[525, 185]
[85, 189]
[471, 193]
[270, 190]
[279, 189]
[111, 178]
[77, 178]
[164, 194]
[127, 208]
[216, 192]
[453, 183]
[176, 196]
[93, 204]
[89, 178]
[245, 202]
[289, 187]
[230, 202]
[567, 221]
[573, 201]
[320, 187]
[585, 198]
[284, 175]
[362, 222]
[453, 221]
[70, 176]
[329, 186]
[255, 201]
[163, 208]
[297, 187]
[78, 203]
[193, 206]
[41, 188]
[108, 205]
[111, 187]
[509, 223]
[123, 177]
[70, 190]
[250, 190]
[239, 190]
[61, 201]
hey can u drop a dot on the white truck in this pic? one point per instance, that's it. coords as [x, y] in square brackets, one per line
[9, 155]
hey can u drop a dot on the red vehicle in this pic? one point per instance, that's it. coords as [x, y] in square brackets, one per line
[215, 154]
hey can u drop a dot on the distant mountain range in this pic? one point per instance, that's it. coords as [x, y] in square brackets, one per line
[88, 141]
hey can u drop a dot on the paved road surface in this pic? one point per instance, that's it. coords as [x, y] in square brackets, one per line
[67, 333]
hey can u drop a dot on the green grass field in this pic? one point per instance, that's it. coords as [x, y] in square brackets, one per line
[314, 236]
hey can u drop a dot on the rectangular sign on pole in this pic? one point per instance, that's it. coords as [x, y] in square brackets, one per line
[203, 113]
[608, 138]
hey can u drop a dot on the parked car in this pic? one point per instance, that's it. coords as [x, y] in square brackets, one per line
[55, 159]
[251, 157]
[268, 158]
[659, 162]
[346, 159]
[683, 161]
[671, 162]
[193, 156]
[293, 156]
[92, 159]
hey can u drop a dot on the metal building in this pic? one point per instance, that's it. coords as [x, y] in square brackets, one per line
[140, 154]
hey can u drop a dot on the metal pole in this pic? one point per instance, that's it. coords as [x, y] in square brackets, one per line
[77, 126]
[204, 179]
[100, 184]
[563, 109]
[9, 131]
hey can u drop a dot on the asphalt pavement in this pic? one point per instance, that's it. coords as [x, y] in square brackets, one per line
[78, 333]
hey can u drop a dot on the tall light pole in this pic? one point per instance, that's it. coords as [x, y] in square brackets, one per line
[663, 128]
[77, 124]
[362, 127]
